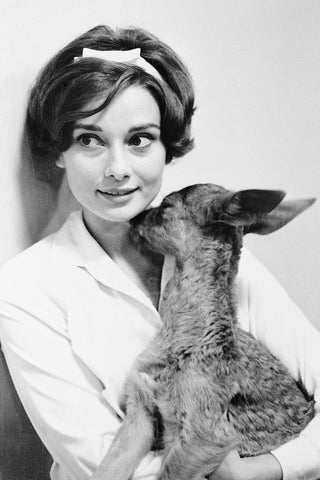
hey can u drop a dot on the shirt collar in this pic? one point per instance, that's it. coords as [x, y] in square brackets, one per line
[74, 244]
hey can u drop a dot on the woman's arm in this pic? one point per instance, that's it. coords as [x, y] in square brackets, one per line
[263, 467]
[269, 314]
[61, 395]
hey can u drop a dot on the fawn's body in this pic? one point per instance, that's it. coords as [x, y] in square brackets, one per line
[203, 386]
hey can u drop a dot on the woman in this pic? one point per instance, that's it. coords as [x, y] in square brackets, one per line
[80, 305]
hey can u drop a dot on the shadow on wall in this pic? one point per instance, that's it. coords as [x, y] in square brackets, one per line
[38, 192]
[45, 195]
[22, 454]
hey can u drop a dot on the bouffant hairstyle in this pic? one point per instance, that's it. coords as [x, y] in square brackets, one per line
[66, 86]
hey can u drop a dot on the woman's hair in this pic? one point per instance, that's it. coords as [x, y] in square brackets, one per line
[66, 86]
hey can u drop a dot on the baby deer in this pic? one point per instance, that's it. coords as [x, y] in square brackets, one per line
[205, 386]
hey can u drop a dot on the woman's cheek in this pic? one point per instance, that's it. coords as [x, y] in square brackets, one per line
[153, 171]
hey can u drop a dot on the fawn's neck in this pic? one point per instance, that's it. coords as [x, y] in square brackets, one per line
[199, 311]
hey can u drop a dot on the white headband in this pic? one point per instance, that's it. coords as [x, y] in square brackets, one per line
[122, 56]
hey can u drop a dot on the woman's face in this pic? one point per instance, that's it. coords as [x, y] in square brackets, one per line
[115, 163]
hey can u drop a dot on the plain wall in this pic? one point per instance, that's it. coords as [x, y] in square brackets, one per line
[256, 66]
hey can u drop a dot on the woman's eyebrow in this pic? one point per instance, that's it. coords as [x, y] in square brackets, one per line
[88, 126]
[96, 128]
[144, 126]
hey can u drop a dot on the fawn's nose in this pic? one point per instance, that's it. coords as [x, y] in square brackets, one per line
[118, 165]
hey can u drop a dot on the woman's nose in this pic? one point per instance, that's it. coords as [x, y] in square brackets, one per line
[117, 164]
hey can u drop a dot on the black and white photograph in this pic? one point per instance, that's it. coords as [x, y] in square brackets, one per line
[160, 240]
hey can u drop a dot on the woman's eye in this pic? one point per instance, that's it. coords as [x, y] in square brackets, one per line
[140, 141]
[89, 141]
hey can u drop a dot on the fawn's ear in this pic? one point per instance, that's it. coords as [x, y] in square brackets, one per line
[279, 216]
[261, 211]
[256, 202]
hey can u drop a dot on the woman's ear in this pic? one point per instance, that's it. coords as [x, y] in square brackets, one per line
[60, 161]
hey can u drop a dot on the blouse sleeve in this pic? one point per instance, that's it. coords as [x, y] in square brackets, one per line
[61, 395]
[269, 314]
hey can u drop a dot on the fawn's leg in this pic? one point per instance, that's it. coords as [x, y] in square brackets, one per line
[134, 438]
[198, 452]
[192, 461]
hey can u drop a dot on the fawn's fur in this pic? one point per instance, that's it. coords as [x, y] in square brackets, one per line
[204, 386]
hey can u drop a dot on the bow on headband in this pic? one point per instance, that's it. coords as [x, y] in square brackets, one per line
[122, 56]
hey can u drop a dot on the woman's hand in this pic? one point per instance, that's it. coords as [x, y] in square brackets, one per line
[261, 467]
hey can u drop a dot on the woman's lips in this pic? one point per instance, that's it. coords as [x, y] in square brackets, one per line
[118, 192]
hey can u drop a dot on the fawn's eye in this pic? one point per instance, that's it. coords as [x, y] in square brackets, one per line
[166, 203]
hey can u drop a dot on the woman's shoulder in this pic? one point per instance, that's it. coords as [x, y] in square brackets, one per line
[252, 271]
[45, 252]
[26, 291]
[42, 266]
[27, 263]
[39, 283]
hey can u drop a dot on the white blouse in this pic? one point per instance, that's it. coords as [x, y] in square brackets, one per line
[72, 323]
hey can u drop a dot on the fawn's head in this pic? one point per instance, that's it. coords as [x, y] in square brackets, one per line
[185, 217]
